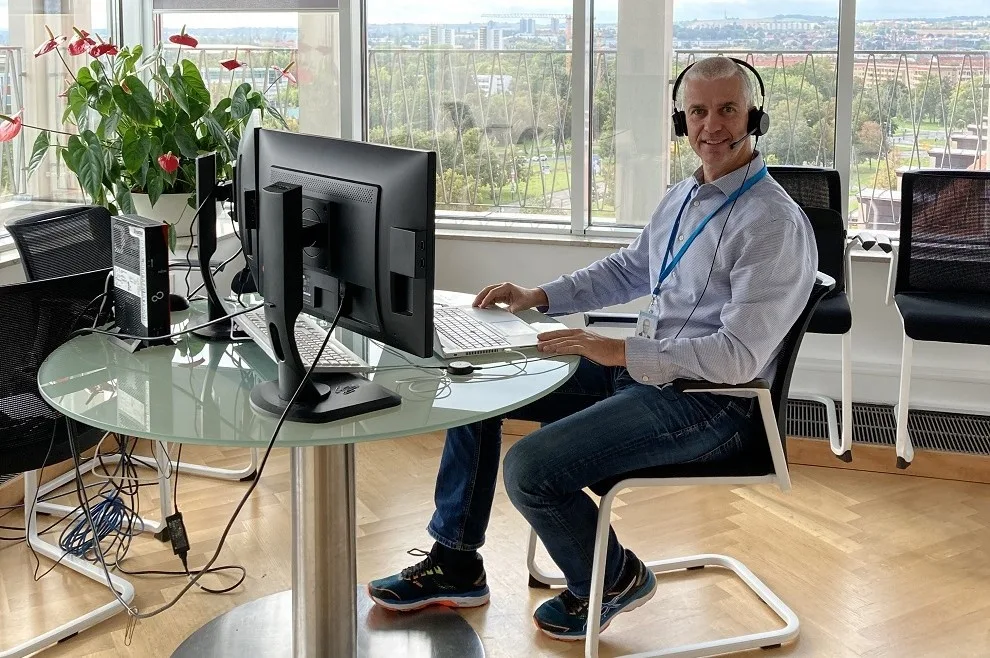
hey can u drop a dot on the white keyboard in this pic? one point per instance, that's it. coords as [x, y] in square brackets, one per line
[461, 330]
[309, 337]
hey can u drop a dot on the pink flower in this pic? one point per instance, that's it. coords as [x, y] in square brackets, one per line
[82, 44]
[168, 162]
[184, 39]
[285, 72]
[10, 127]
[50, 45]
[102, 49]
[231, 64]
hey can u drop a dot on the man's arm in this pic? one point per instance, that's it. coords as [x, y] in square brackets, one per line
[615, 279]
[770, 285]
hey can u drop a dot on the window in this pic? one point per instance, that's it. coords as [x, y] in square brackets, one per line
[920, 100]
[487, 88]
[32, 86]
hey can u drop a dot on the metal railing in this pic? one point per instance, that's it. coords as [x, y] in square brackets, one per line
[12, 172]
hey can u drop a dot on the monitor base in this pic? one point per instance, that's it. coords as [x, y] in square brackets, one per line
[343, 395]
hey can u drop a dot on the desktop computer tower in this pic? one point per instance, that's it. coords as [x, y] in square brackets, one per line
[140, 276]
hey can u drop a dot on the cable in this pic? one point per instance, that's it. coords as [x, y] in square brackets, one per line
[83, 332]
[717, 244]
[194, 577]
[218, 269]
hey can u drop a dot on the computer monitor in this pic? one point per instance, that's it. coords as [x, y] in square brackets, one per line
[343, 228]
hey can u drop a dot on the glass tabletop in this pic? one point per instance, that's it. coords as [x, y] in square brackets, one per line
[199, 392]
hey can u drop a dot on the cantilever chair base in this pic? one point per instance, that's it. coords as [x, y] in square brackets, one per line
[91, 571]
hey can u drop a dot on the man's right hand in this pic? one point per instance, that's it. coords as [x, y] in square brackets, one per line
[515, 297]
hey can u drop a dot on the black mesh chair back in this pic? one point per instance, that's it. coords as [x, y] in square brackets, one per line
[945, 232]
[37, 317]
[65, 241]
[830, 238]
[815, 187]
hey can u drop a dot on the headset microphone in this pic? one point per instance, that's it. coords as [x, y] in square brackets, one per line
[740, 140]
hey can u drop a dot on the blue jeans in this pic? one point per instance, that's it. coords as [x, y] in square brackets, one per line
[601, 423]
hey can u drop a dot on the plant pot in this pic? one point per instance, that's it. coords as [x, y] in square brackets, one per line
[171, 208]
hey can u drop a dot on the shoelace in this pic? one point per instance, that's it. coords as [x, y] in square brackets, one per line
[574, 605]
[419, 570]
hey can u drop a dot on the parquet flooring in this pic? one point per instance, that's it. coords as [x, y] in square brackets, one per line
[874, 564]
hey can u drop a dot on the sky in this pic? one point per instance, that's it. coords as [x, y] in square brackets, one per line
[461, 11]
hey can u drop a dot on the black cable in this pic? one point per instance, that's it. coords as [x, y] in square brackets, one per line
[83, 332]
[194, 577]
[717, 244]
[218, 269]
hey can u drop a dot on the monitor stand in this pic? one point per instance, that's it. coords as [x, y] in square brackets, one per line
[325, 397]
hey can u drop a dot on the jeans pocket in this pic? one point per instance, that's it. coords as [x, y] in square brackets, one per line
[731, 446]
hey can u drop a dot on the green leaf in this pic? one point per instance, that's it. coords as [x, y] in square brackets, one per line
[136, 150]
[90, 169]
[222, 106]
[41, 145]
[97, 67]
[171, 247]
[108, 126]
[78, 97]
[270, 109]
[197, 96]
[124, 199]
[185, 139]
[138, 105]
[239, 106]
[141, 177]
[256, 100]
[86, 79]
[217, 132]
[73, 153]
[155, 185]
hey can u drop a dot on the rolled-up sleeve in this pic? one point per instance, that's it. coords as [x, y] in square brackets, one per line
[770, 284]
[615, 279]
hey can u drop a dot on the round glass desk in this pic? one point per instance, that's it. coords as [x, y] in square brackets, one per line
[198, 392]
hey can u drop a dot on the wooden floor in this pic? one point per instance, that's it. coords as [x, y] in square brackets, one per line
[873, 564]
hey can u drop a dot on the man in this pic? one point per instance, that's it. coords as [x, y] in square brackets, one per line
[720, 313]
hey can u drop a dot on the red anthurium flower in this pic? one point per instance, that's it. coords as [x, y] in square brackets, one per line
[10, 127]
[168, 162]
[81, 44]
[50, 45]
[102, 49]
[285, 72]
[184, 39]
[231, 64]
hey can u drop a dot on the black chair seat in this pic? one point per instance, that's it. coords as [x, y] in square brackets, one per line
[833, 316]
[946, 317]
[30, 438]
[755, 461]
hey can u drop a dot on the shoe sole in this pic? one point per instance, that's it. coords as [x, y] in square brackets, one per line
[445, 601]
[629, 608]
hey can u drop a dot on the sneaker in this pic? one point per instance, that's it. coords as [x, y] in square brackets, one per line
[565, 616]
[427, 583]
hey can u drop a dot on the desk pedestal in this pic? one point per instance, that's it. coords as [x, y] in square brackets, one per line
[321, 616]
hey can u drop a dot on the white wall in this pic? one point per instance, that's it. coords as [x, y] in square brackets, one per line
[945, 376]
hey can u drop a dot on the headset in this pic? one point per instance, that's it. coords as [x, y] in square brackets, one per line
[758, 123]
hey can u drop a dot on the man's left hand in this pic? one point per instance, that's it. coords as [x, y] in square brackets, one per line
[601, 350]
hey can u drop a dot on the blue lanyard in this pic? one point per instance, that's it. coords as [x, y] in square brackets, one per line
[666, 269]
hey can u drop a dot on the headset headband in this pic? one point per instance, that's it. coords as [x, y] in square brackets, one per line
[740, 62]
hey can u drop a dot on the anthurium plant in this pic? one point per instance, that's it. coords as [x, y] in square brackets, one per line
[134, 122]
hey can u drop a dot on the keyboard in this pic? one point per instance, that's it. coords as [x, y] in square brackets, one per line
[463, 331]
[309, 338]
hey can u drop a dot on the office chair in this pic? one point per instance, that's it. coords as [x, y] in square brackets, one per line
[763, 463]
[940, 274]
[36, 318]
[76, 239]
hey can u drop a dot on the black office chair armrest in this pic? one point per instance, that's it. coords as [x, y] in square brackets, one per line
[688, 385]
[604, 319]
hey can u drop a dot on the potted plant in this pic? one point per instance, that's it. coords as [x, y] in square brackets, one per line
[135, 124]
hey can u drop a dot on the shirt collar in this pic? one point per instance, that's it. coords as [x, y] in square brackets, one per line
[733, 180]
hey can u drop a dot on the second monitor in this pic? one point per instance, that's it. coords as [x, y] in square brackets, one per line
[346, 228]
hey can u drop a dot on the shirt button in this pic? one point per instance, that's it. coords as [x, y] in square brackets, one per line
[646, 378]
[680, 238]
[696, 204]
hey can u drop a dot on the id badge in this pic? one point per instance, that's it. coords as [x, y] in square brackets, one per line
[647, 324]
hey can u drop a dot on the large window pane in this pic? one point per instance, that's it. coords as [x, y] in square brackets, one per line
[487, 89]
[32, 85]
[308, 98]
[920, 101]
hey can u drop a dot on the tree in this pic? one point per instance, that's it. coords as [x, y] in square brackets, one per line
[872, 141]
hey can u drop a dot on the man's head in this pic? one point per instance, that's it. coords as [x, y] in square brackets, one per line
[716, 99]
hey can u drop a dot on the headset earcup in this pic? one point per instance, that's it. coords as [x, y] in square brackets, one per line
[679, 120]
[759, 122]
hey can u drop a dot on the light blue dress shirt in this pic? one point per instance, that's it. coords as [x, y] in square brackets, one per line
[760, 282]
